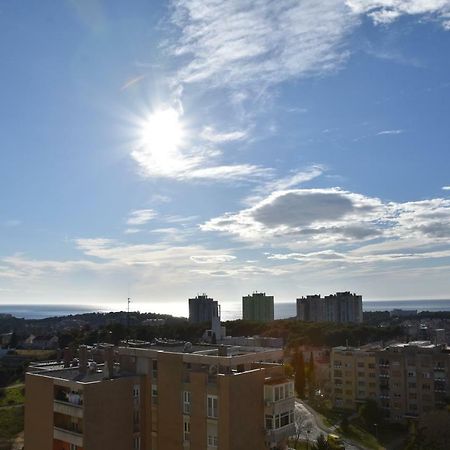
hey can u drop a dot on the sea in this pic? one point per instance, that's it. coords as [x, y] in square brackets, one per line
[229, 311]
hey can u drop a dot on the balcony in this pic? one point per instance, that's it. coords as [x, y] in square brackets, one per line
[280, 434]
[71, 437]
[68, 409]
[279, 406]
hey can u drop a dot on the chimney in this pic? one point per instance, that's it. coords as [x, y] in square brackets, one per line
[83, 359]
[67, 357]
[109, 361]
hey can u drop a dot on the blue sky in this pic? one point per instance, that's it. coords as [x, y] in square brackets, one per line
[162, 149]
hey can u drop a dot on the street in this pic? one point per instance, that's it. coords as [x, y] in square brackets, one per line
[310, 426]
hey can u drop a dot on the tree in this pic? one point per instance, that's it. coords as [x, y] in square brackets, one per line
[322, 443]
[345, 423]
[299, 367]
[432, 432]
[371, 414]
[311, 375]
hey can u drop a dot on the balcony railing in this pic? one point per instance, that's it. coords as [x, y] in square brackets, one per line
[71, 437]
[279, 406]
[280, 434]
[69, 409]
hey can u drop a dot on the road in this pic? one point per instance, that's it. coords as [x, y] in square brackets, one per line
[311, 426]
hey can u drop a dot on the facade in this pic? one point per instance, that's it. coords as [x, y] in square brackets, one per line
[203, 309]
[342, 307]
[322, 373]
[353, 376]
[413, 379]
[258, 307]
[166, 396]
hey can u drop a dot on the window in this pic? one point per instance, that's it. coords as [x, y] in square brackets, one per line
[284, 419]
[213, 406]
[136, 391]
[155, 394]
[186, 429]
[73, 447]
[186, 402]
[213, 441]
[279, 420]
[154, 368]
[136, 443]
[136, 417]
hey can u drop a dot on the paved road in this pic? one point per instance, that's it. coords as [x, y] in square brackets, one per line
[311, 426]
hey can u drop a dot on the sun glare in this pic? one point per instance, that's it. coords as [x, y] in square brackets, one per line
[162, 135]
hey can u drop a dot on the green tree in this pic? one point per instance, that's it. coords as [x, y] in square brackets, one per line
[299, 380]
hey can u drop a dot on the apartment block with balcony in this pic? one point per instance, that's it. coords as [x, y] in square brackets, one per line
[82, 408]
[342, 307]
[164, 396]
[217, 397]
[258, 307]
[413, 379]
[203, 309]
[353, 376]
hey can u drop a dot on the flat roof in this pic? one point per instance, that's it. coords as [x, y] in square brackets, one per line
[73, 374]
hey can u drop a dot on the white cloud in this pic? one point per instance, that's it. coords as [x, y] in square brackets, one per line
[165, 149]
[380, 133]
[294, 179]
[265, 42]
[302, 215]
[321, 220]
[212, 259]
[446, 188]
[237, 42]
[209, 134]
[141, 217]
[386, 11]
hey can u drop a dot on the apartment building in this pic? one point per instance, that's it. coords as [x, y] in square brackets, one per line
[353, 376]
[203, 309]
[164, 396]
[258, 307]
[413, 379]
[342, 307]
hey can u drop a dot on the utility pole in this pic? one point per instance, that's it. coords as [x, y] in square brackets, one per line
[128, 320]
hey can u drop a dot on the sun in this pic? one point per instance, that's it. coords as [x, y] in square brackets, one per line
[161, 137]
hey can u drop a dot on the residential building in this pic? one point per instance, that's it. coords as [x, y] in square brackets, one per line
[342, 307]
[353, 376]
[165, 396]
[258, 307]
[322, 372]
[413, 379]
[203, 309]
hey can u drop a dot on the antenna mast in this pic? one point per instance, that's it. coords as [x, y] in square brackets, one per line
[128, 320]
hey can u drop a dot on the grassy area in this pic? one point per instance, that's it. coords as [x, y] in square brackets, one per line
[300, 446]
[12, 396]
[11, 422]
[362, 436]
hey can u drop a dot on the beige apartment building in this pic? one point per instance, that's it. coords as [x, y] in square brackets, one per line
[353, 376]
[413, 379]
[164, 396]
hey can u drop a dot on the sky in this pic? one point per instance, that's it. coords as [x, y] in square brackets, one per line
[161, 149]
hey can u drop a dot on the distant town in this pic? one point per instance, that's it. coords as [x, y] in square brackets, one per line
[334, 376]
